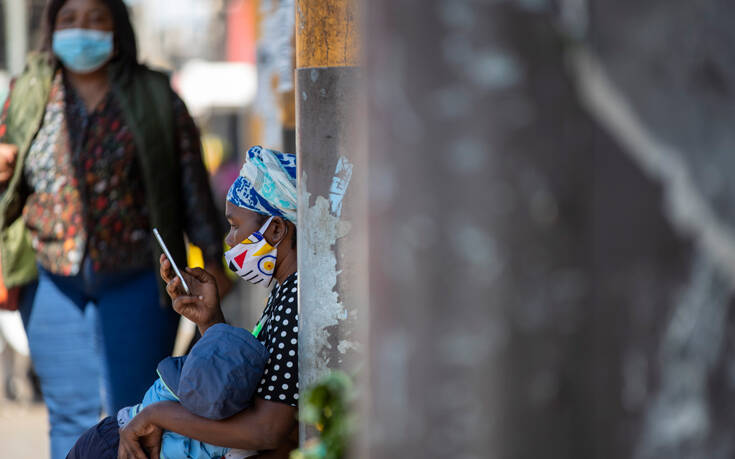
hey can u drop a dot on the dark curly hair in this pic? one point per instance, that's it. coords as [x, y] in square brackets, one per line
[127, 48]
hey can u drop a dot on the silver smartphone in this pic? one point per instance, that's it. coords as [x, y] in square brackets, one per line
[171, 259]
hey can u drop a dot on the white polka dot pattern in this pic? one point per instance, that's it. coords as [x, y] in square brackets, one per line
[280, 381]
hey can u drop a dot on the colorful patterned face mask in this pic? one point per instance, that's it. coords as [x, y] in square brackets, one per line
[254, 259]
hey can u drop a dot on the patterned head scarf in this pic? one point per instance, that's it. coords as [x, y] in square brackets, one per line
[267, 183]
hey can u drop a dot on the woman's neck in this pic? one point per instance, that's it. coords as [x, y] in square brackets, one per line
[91, 87]
[286, 266]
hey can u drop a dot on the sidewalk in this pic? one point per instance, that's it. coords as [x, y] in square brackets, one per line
[23, 431]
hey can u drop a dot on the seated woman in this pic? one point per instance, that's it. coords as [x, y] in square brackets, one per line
[261, 210]
[261, 206]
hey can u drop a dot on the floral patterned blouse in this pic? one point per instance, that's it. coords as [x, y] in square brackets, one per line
[86, 192]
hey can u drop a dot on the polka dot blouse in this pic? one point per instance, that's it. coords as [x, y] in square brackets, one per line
[280, 335]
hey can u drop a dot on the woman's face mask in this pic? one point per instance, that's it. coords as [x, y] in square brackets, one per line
[83, 50]
[254, 259]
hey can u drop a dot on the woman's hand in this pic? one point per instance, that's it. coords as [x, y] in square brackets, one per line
[139, 436]
[8, 153]
[224, 284]
[201, 306]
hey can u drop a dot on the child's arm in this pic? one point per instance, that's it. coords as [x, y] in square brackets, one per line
[156, 393]
[265, 426]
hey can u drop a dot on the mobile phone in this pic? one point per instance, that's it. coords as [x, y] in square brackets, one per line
[171, 259]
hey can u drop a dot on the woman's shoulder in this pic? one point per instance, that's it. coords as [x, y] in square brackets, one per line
[292, 280]
[160, 80]
[152, 72]
[149, 75]
[39, 68]
[282, 309]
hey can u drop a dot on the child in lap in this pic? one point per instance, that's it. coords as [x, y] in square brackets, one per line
[216, 380]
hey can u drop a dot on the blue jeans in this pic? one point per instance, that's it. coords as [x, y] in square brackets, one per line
[95, 340]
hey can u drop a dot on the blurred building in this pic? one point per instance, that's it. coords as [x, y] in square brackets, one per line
[19, 31]
[172, 32]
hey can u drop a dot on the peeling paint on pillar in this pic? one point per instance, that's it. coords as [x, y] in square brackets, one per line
[327, 212]
[318, 287]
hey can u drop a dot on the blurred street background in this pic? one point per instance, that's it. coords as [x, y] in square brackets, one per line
[210, 49]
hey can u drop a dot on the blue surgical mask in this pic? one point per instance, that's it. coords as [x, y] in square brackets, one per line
[83, 50]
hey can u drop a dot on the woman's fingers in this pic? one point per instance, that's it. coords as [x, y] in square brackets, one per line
[130, 450]
[186, 305]
[7, 161]
[131, 453]
[200, 275]
[137, 437]
[166, 271]
[138, 452]
[185, 300]
[174, 288]
[151, 441]
[8, 153]
[155, 452]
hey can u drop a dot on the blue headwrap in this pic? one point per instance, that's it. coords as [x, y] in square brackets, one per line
[267, 183]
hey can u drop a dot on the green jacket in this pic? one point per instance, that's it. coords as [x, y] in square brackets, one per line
[145, 100]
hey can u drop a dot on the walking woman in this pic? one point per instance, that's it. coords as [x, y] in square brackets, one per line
[95, 151]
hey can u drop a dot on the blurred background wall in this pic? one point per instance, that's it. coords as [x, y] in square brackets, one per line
[551, 179]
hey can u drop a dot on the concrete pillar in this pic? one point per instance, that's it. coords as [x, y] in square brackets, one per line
[331, 186]
[439, 185]
[551, 229]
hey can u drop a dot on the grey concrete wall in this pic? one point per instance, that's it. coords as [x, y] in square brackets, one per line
[551, 229]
